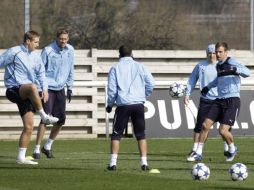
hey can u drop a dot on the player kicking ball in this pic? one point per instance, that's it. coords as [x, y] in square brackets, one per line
[225, 108]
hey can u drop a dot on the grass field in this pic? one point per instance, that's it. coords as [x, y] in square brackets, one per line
[80, 164]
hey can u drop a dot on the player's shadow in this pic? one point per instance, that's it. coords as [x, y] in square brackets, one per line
[230, 188]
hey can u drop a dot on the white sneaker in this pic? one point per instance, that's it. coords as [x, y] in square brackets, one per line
[194, 157]
[231, 157]
[25, 161]
[48, 119]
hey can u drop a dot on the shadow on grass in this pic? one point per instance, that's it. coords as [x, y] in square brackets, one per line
[32, 167]
[230, 188]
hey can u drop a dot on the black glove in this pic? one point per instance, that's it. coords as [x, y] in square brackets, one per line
[69, 94]
[229, 71]
[108, 109]
[205, 90]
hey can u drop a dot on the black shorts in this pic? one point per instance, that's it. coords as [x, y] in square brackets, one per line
[225, 110]
[204, 107]
[122, 114]
[24, 106]
[56, 105]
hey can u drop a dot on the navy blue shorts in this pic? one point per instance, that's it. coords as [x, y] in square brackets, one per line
[24, 106]
[204, 107]
[56, 105]
[122, 114]
[225, 110]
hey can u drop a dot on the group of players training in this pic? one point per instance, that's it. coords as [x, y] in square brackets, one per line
[129, 83]
[36, 83]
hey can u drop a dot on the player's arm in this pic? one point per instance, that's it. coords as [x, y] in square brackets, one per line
[6, 58]
[70, 79]
[234, 68]
[192, 81]
[212, 84]
[149, 82]
[40, 76]
[241, 70]
[112, 87]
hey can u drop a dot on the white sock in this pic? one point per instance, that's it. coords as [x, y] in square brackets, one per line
[113, 160]
[48, 144]
[200, 148]
[37, 149]
[22, 153]
[195, 146]
[231, 148]
[42, 113]
[226, 146]
[143, 161]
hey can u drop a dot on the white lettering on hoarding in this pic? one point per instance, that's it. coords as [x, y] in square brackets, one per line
[191, 115]
[150, 110]
[163, 115]
[252, 111]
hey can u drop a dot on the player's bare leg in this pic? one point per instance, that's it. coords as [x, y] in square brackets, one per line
[39, 137]
[115, 144]
[46, 149]
[227, 135]
[202, 138]
[54, 131]
[29, 91]
[25, 138]
[142, 145]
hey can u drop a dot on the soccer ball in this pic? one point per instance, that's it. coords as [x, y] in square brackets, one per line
[238, 172]
[200, 171]
[176, 90]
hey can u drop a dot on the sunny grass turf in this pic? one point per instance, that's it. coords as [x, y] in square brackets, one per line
[80, 164]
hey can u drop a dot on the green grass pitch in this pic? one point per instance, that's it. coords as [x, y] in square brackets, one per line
[81, 164]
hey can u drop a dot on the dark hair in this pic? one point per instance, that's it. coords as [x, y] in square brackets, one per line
[62, 31]
[125, 51]
[222, 44]
[30, 35]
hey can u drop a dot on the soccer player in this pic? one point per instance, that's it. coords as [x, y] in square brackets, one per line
[23, 66]
[205, 71]
[58, 58]
[129, 83]
[226, 107]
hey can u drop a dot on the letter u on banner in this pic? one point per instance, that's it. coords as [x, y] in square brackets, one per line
[176, 114]
[191, 114]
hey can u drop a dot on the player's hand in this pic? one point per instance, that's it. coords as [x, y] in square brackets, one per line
[205, 90]
[69, 95]
[108, 109]
[45, 96]
[227, 71]
[186, 100]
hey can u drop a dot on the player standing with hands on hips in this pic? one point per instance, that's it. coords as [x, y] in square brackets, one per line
[225, 108]
[129, 83]
[23, 66]
[58, 58]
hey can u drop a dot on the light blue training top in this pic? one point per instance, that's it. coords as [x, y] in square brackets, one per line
[205, 72]
[59, 66]
[129, 83]
[229, 86]
[22, 67]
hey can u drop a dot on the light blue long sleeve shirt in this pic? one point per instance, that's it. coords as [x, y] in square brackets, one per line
[229, 86]
[205, 72]
[129, 83]
[22, 67]
[59, 66]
